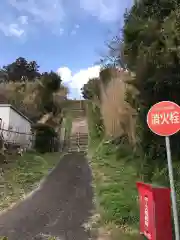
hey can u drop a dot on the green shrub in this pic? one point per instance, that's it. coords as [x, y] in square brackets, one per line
[151, 36]
[95, 122]
[115, 177]
[46, 138]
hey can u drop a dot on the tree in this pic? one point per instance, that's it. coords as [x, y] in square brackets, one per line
[46, 138]
[51, 81]
[114, 52]
[115, 56]
[151, 49]
[21, 70]
[34, 94]
[3, 76]
[91, 90]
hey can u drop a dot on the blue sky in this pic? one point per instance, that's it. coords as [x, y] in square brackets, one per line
[66, 36]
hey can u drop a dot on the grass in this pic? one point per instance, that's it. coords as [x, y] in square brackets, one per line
[116, 196]
[23, 175]
[117, 114]
[114, 167]
[68, 124]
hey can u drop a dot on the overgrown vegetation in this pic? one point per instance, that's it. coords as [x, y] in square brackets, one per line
[40, 97]
[114, 177]
[47, 140]
[129, 151]
[68, 124]
[155, 60]
[31, 92]
[115, 172]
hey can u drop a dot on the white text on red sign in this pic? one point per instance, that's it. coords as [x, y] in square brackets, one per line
[146, 216]
[165, 118]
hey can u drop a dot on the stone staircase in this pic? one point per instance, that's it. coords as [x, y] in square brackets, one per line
[78, 142]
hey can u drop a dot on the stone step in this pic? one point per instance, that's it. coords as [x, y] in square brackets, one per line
[77, 149]
[78, 142]
[76, 146]
[78, 137]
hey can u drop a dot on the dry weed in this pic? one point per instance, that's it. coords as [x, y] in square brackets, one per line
[118, 115]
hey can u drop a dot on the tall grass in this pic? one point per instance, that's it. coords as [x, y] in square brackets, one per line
[118, 116]
[114, 166]
[114, 180]
[27, 97]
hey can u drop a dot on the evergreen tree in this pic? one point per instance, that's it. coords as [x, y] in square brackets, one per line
[151, 49]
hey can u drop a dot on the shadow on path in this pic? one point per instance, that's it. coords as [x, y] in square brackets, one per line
[59, 208]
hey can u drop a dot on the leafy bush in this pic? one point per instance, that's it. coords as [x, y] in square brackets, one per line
[91, 90]
[96, 127]
[46, 138]
[151, 40]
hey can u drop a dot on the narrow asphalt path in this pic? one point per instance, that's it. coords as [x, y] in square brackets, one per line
[58, 208]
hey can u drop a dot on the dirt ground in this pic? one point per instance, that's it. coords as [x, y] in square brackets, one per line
[59, 208]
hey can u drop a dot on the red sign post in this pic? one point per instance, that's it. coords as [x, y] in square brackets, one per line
[163, 119]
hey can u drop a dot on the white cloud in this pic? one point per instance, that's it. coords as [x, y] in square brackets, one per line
[50, 13]
[47, 11]
[82, 77]
[16, 28]
[104, 10]
[23, 20]
[12, 29]
[65, 74]
[77, 80]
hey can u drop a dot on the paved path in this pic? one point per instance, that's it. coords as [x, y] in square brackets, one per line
[59, 208]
